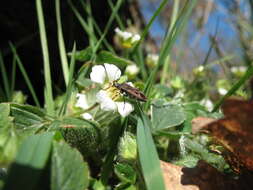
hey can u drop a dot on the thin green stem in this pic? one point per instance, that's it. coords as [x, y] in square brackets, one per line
[61, 44]
[5, 78]
[70, 83]
[96, 27]
[49, 103]
[108, 25]
[24, 73]
[168, 42]
[92, 36]
[118, 19]
[172, 22]
[13, 74]
[235, 87]
[146, 29]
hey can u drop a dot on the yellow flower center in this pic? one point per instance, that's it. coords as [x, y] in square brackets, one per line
[113, 92]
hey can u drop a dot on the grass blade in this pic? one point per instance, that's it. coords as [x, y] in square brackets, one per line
[49, 103]
[91, 19]
[13, 74]
[5, 78]
[24, 73]
[146, 29]
[149, 159]
[169, 40]
[62, 49]
[233, 89]
[82, 21]
[109, 23]
[70, 79]
[118, 19]
[172, 22]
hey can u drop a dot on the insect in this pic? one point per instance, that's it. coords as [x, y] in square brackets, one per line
[130, 91]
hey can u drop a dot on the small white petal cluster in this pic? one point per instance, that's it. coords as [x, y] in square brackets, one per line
[207, 103]
[152, 60]
[222, 91]
[241, 69]
[132, 70]
[108, 96]
[127, 37]
[87, 116]
[84, 103]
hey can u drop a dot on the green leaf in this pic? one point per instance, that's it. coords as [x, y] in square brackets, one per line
[9, 143]
[149, 159]
[26, 115]
[81, 134]
[108, 57]
[82, 55]
[212, 158]
[188, 161]
[125, 186]
[30, 161]
[68, 170]
[194, 109]
[5, 119]
[166, 116]
[125, 173]
[162, 90]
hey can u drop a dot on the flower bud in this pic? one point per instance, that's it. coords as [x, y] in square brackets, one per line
[131, 71]
[128, 147]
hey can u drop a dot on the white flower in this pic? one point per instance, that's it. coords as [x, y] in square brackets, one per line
[222, 91]
[152, 60]
[82, 101]
[127, 39]
[103, 74]
[240, 69]
[135, 38]
[123, 34]
[109, 97]
[87, 116]
[132, 70]
[207, 103]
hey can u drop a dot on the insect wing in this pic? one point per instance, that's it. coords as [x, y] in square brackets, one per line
[134, 92]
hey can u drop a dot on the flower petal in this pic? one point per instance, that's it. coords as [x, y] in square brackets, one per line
[106, 103]
[135, 38]
[82, 101]
[98, 74]
[124, 108]
[113, 72]
[123, 34]
[87, 116]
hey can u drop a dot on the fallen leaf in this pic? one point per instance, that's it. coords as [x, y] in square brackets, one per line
[201, 177]
[199, 122]
[172, 177]
[235, 132]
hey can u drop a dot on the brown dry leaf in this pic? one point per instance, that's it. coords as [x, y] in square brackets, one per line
[235, 132]
[199, 122]
[201, 177]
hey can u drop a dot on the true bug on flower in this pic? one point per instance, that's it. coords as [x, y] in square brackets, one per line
[130, 91]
